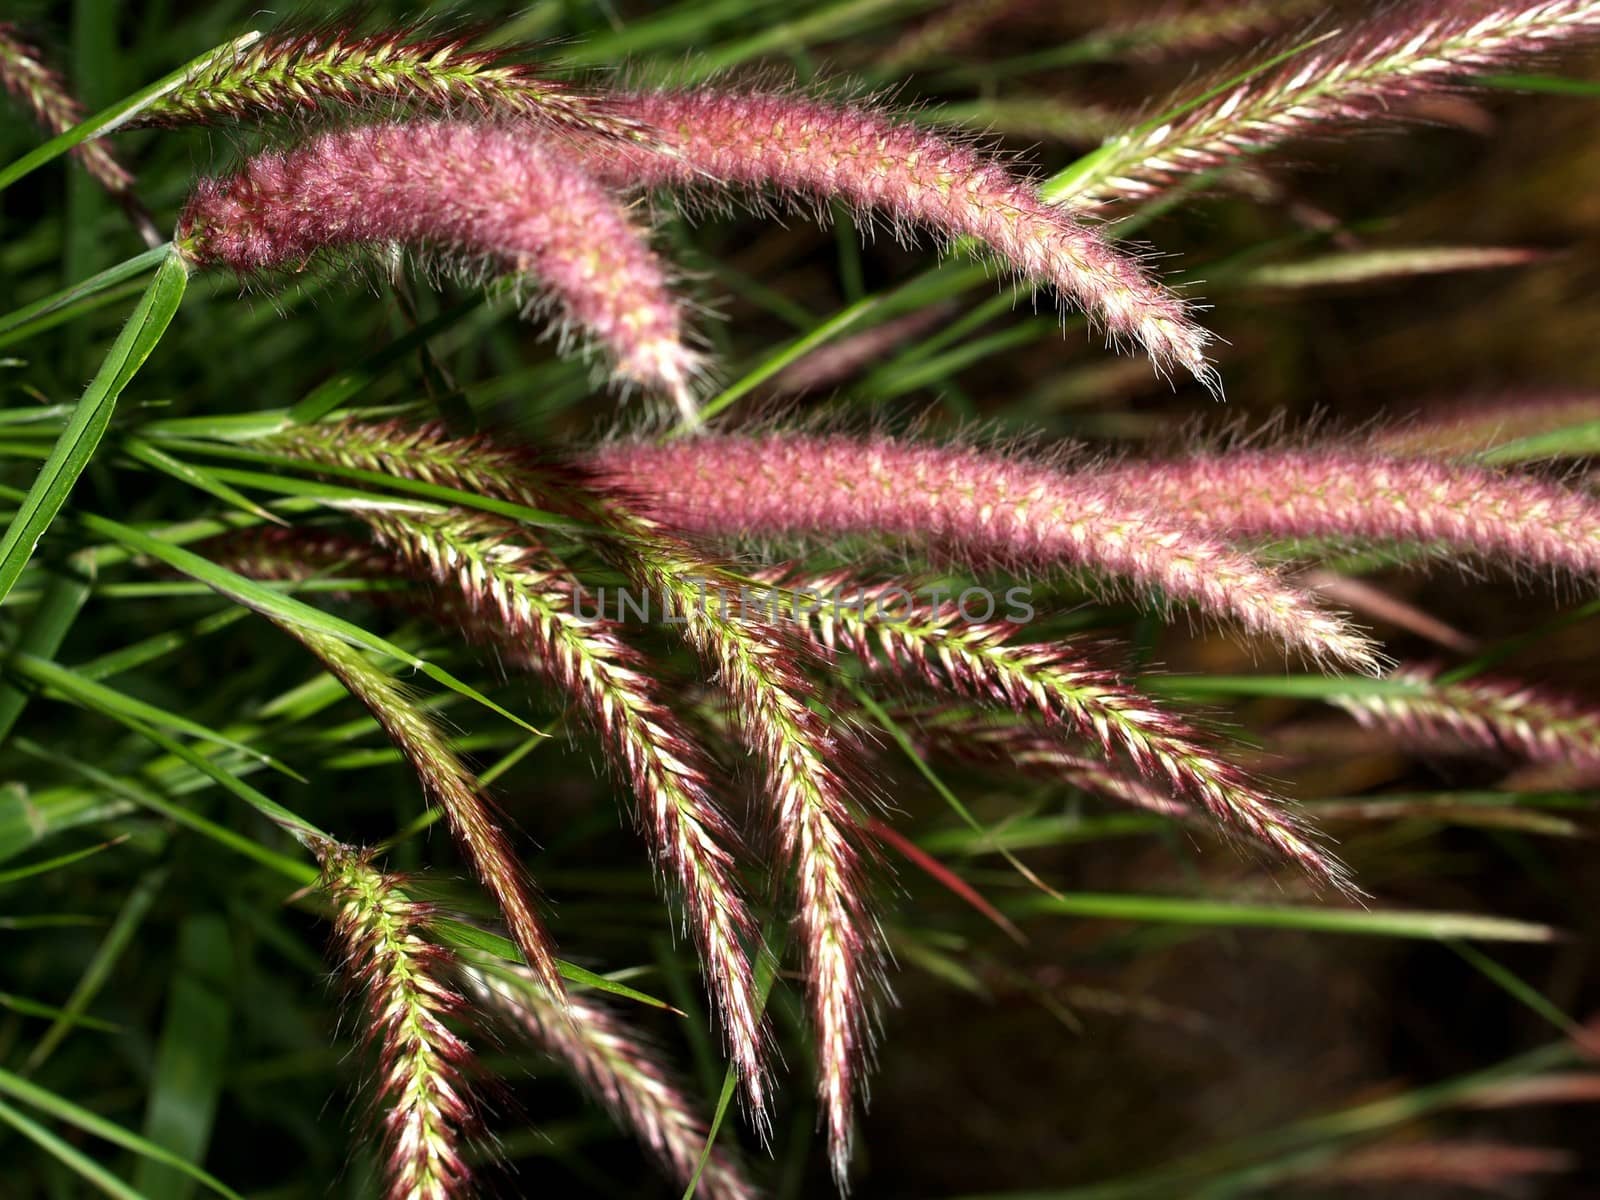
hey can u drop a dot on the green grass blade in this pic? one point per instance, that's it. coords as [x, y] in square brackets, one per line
[110, 702]
[47, 1101]
[78, 1162]
[273, 603]
[17, 874]
[1179, 910]
[88, 424]
[46, 629]
[191, 1056]
[14, 323]
[117, 940]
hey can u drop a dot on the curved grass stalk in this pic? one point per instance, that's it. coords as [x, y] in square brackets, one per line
[976, 507]
[516, 597]
[449, 784]
[1501, 716]
[299, 72]
[936, 645]
[809, 764]
[27, 77]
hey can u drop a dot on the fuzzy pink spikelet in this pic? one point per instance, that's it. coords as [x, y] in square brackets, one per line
[1469, 511]
[487, 193]
[808, 148]
[973, 505]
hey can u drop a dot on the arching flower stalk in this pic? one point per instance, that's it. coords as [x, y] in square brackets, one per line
[1483, 713]
[1354, 497]
[972, 506]
[30, 80]
[718, 139]
[422, 1063]
[621, 1070]
[451, 786]
[1363, 74]
[515, 596]
[809, 764]
[936, 645]
[300, 72]
[472, 193]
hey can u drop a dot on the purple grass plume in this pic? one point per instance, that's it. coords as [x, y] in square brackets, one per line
[1355, 497]
[717, 139]
[479, 193]
[971, 506]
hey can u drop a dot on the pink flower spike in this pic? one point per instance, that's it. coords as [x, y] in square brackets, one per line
[482, 193]
[974, 506]
[711, 138]
[1474, 512]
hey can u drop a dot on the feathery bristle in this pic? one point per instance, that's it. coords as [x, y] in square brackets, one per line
[621, 1070]
[516, 597]
[487, 193]
[422, 1064]
[1361, 75]
[971, 506]
[1484, 515]
[298, 72]
[711, 138]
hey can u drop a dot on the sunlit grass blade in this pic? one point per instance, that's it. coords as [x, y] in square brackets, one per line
[1374, 922]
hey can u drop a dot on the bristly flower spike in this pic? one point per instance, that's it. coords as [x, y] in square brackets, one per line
[1362, 74]
[810, 765]
[422, 1063]
[937, 645]
[483, 193]
[720, 139]
[973, 506]
[299, 72]
[449, 784]
[24, 74]
[1359, 497]
[621, 1070]
[1483, 713]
